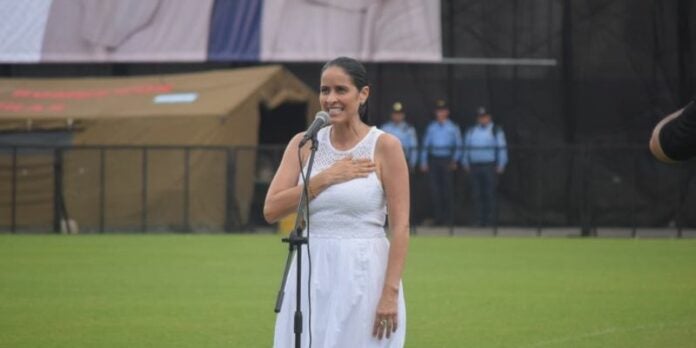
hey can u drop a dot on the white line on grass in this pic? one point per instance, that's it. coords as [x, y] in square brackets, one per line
[606, 332]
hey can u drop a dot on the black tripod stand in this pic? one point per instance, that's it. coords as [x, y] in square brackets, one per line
[295, 241]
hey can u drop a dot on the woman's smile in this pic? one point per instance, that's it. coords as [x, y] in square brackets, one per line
[335, 111]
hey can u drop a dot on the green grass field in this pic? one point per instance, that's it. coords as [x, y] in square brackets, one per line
[219, 291]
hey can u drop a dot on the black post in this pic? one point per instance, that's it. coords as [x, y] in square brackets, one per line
[56, 195]
[586, 229]
[539, 185]
[232, 215]
[590, 191]
[495, 201]
[634, 190]
[681, 195]
[567, 89]
[143, 217]
[495, 210]
[13, 223]
[187, 158]
[60, 212]
[452, 176]
[102, 188]
[412, 226]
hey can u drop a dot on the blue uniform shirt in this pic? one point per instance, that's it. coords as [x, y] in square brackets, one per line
[407, 136]
[441, 140]
[481, 145]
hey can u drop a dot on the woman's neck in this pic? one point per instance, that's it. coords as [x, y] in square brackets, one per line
[347, 135]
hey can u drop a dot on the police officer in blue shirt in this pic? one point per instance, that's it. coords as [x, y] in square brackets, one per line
[440, 153]
[404, 132]
[484, 157]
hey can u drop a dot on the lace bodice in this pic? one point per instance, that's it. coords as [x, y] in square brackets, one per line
[355, 208]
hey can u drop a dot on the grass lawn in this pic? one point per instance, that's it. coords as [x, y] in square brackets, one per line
[219, 291]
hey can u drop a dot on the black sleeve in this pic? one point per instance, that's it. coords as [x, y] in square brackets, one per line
[678, 136]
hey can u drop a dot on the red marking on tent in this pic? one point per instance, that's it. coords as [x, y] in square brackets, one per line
[37, 108]
[91, 93]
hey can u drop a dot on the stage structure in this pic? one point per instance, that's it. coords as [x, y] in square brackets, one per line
[104, 151]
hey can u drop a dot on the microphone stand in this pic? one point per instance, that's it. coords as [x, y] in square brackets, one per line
[295, 241]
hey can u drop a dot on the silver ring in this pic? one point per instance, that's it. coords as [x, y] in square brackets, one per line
[383, 323]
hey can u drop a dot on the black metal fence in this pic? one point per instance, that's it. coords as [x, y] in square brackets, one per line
[191, 188]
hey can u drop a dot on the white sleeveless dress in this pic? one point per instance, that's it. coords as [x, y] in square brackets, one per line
[349, 254]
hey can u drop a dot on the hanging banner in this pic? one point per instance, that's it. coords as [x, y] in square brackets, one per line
[22, 27]
[369, 30]
[219, 30]
[127, 30]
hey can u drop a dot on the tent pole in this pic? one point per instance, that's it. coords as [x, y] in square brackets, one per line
[187, 158]
[102, 188]
[13, 227]
[143, 217]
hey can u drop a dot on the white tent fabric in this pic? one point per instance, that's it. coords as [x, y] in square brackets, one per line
[22, 26]
[163, 30]
[297, 30]
[127, 30]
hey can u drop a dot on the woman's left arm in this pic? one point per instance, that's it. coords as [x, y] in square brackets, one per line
[391, 162]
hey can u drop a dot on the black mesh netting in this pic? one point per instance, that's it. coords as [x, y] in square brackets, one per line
[577, 130]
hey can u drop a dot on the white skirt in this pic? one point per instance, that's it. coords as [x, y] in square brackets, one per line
[346, 285]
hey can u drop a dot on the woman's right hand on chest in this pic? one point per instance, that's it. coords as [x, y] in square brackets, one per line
[347, 169]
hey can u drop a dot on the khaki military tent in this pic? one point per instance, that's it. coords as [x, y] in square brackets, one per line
[188, 122]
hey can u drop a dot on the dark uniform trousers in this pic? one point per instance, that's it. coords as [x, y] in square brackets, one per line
[441, 186]
[484, 180]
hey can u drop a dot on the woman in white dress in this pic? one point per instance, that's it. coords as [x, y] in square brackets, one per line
[359, 175]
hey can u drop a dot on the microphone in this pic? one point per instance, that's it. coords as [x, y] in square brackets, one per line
[321, 120]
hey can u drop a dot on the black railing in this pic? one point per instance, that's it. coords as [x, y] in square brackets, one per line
[102, 188]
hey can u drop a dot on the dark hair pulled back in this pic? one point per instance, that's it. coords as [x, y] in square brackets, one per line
[358, 75]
